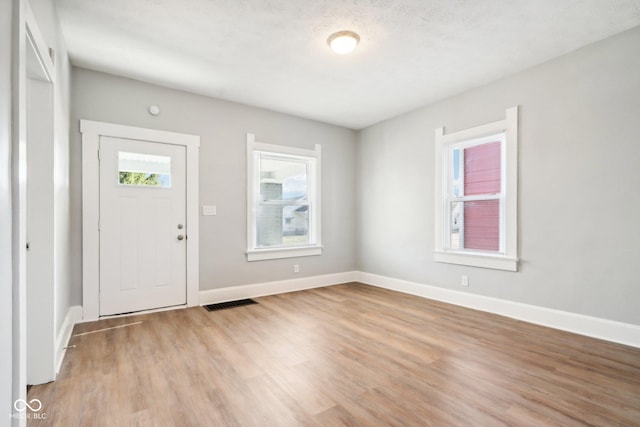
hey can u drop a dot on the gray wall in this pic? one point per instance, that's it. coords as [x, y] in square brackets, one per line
[578, 181]
[578, 194]
[222, 127]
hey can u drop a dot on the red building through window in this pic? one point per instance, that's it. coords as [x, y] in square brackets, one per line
[482, 178]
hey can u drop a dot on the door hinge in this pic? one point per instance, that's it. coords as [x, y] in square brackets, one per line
[98, 154]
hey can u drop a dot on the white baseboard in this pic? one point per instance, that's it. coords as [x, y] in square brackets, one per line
[610, 330]
[74, 315]
[232, 293]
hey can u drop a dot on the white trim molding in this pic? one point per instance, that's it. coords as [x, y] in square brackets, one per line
[275, 253]
[74, 315]
[39, 45]
[483, 261]
[595, 327]
[92, 131]
[232, 293]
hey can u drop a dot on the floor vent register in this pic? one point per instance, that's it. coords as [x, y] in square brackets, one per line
[229, 304]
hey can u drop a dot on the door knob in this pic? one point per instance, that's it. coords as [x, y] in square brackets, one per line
[180, 226]
[180, 237]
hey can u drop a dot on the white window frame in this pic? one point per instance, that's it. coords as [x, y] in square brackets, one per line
[450, 197]
[254, 149]
[506, 258]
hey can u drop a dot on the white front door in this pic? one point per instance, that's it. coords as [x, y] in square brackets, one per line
[142, 225]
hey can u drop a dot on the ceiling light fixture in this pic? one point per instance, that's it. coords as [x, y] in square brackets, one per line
[343, 42]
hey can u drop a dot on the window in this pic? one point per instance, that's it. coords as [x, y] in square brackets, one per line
[283, 199]
[476, 195]
[144, 169]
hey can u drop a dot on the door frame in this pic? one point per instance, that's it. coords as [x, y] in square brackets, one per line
[91, 133]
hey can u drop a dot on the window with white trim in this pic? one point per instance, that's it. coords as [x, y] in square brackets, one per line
[283, 200]
[476, 195]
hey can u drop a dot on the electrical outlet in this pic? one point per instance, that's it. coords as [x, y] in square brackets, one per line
[296, 268]
[465, 280]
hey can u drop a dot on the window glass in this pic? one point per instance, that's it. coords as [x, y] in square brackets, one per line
[456, 171]
[482, 169]
[475, 225]
[282, 179]
[282, 225]
[144, 169]
[283, 206]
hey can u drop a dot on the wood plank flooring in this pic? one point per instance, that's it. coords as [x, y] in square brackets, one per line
[346, 355]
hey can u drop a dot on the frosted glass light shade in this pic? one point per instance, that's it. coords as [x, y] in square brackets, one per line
[343, 42]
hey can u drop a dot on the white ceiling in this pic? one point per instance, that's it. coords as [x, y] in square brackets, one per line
[273, 53]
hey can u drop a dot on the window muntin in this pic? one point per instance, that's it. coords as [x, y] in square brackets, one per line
[283, 218]
[141, 169]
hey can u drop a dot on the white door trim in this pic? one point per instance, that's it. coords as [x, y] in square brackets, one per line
[91, 133]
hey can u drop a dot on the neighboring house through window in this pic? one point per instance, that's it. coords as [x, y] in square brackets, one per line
[476, 195]
[283, 199]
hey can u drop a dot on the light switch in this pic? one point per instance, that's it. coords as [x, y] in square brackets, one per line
[208, 210]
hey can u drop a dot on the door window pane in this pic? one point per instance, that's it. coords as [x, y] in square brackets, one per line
[144, 169]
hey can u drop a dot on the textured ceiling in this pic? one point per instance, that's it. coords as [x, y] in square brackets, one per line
[273, 53]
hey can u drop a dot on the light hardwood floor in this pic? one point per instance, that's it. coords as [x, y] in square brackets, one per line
[346, 355]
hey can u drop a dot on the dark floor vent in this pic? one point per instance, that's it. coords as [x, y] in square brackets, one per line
[229, 304]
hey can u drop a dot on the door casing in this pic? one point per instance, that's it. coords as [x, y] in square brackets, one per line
[92, 131]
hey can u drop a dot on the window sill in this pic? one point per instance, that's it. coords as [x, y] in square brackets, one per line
[496, 262]
[277, 253]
